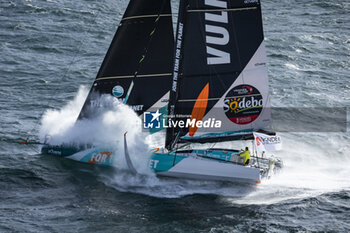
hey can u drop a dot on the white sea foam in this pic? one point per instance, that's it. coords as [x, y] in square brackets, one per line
[292, 66]
[314, 164]
[106, 130]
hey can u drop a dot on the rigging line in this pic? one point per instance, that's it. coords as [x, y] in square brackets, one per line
[66, 72]
[146, 16]
[144, 53]
[190, 11]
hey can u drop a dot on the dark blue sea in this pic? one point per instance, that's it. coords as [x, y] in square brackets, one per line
[50, 52]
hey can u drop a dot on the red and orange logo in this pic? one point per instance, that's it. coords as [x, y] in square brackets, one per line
[258, 141]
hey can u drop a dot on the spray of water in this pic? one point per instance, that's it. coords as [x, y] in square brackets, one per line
[314, 163]
[105, 130]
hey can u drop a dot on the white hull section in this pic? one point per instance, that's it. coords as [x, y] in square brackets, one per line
[189, 166]
[193, 168]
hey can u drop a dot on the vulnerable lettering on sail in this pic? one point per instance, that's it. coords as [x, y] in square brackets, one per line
[265, 142]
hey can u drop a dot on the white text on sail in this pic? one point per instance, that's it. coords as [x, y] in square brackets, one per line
[222, 36]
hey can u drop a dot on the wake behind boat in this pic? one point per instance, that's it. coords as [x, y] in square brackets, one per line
[209, 85]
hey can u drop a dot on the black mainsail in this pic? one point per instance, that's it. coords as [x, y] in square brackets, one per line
[140, 56]
[220, 69]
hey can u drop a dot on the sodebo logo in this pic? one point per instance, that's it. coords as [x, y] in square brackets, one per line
[243, 104]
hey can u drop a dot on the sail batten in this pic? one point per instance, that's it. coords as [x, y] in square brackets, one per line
[146, 16]
[213, 99]
[226, 136]
[138, 76]
[223, 10]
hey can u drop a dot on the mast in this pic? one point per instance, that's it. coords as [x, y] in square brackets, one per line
[177, 71]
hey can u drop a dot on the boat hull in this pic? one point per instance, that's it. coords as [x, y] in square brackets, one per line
[98, 156]
[178, 165]
[205, 169]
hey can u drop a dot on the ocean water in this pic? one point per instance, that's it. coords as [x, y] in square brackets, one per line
[50, 52]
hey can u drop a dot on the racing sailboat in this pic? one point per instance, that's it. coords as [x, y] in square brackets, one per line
[208, 85]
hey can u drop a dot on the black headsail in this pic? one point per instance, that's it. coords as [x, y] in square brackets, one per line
[141, 55]
[220, 70]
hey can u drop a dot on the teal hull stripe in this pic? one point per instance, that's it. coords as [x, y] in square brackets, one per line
[214, 135]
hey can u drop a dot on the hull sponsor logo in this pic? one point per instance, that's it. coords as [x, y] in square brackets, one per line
[243, 104]
[100, 157]
[217, 34]
[153, 163]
